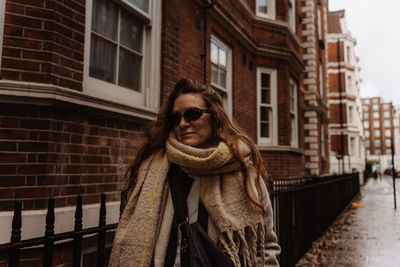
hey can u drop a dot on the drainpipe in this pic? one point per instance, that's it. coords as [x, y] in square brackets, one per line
[340, 106]
[205, 41]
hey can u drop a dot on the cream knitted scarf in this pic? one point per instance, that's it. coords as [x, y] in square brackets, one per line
[239, 222]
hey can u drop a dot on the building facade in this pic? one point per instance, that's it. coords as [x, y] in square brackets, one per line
[379, 130]
[315, 85]
[345, 127]
[80, 79]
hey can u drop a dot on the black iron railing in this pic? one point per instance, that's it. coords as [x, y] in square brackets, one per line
[13, 248]
[304, 208]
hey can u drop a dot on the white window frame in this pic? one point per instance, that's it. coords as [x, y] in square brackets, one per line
[350, 116]
[349, 83]
[352, 146]
[271, 10]
[321, 79]
[2, 15]
[148, 97]
[228, 89]
[322, 133]
[388, 143]
[273, 139]
[319, 22]
[292, 15]
[348, 52]
[294, 128]
[377, 143]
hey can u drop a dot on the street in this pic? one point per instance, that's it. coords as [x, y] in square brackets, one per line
[368, 234]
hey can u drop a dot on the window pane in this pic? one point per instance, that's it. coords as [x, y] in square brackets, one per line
[102, 59]
[129, 70]
[214, 74]
[142, 4]
[266, 96]
[222, 77]
[222, 57]
[265, 112]
[388, 142]
[105, 18]
[264, 130]
[214, 53]
[262, 6]
[388, 133]
[131, 31]
[265, 80]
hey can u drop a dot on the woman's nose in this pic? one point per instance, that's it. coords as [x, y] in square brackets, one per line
[183, 123]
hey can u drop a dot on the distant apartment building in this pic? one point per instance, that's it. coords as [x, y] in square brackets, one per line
[345, 126]
[315, 86]
[379, 130]
[396, 138]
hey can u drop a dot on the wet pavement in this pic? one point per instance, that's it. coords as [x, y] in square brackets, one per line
[371, 232]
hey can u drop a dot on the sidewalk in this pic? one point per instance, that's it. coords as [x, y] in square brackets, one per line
[366, 235]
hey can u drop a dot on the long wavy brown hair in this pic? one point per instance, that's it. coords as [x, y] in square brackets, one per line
[224, 130]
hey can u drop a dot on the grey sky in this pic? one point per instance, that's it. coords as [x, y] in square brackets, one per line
[376, 26]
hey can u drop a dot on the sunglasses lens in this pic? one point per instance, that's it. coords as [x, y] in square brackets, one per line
[192, 114]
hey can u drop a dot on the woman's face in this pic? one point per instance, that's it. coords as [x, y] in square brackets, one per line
[196, 133]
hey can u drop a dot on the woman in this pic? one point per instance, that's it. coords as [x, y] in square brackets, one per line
[194, 146]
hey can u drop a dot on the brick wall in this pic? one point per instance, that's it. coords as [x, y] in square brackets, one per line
[184, 54]
[48, 151]
[44, 42]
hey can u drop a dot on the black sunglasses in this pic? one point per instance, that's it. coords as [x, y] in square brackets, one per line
[191, 114]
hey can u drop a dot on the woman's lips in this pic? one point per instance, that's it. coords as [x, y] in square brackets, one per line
[186, 134]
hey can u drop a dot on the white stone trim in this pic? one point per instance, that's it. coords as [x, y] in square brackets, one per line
[280, 148]
[2, 15]
[34, 221]
[25, 92]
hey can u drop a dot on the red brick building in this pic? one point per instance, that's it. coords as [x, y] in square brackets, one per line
[345, 127]
[81, 78]
[315, 86]
[379, 120]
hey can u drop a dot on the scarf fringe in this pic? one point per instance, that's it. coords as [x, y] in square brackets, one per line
[248, 242]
